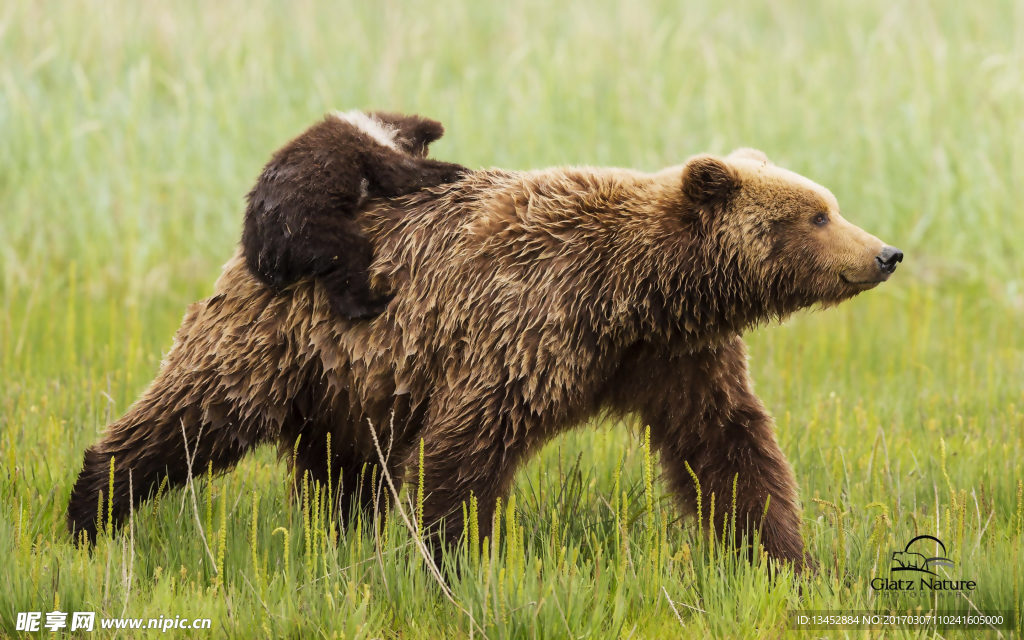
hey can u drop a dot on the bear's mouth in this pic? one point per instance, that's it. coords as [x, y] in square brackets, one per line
[863, 285]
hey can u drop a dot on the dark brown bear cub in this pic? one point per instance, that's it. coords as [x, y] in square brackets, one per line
[300, 221]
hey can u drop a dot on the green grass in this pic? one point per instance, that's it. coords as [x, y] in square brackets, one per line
[132, 131]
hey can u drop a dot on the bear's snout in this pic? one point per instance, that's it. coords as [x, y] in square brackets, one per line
[888, 259]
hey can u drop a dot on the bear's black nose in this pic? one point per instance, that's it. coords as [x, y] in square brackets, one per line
[888, 259]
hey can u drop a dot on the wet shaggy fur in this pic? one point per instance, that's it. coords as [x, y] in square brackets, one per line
[525, 303]
[301, 217]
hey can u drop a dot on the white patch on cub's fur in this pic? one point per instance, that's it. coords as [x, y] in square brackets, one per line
[379, 131]
[364, 191]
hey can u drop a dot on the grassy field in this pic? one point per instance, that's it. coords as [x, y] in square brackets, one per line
[131, 132]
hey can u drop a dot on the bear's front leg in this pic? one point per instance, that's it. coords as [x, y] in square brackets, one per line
[703, 412]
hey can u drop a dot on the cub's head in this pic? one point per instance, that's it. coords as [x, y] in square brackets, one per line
[783, 232]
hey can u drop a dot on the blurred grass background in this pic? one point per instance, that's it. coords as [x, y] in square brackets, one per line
[131, 132]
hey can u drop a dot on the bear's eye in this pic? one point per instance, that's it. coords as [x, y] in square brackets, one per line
[821, 219]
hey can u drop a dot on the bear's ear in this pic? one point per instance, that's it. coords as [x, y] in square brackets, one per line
[751, 154]
[708, 180]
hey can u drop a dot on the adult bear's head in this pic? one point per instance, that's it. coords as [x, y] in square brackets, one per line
[781, 232]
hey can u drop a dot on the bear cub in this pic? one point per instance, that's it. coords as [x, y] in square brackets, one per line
[301, 215]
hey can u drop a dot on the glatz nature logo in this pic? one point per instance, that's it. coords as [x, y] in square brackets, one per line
[913, 561]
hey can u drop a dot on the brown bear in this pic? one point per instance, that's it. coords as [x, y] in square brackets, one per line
[301, 214]
[524, 304]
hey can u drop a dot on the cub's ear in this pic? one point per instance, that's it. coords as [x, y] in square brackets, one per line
[747, 153]
[427, 131]
[708, 180]
[415, 133]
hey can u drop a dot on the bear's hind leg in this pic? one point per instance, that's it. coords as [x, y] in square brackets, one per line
[460, 463]
[352, 478]
[148, 445]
